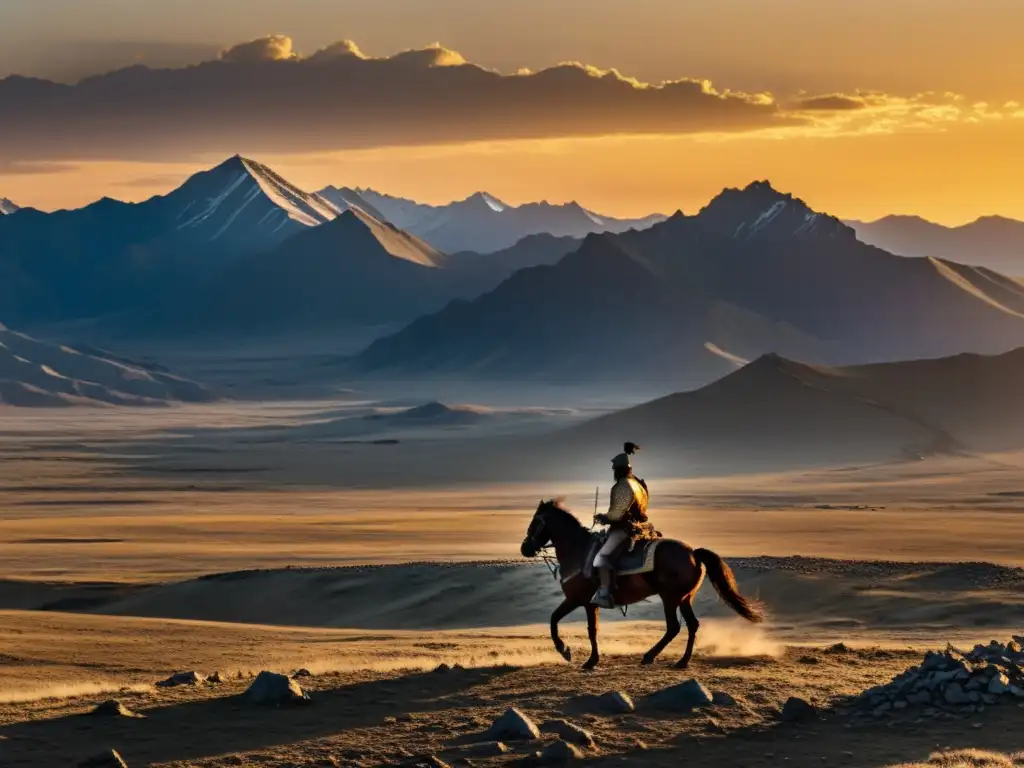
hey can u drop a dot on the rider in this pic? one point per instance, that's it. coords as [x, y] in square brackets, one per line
[628, 504]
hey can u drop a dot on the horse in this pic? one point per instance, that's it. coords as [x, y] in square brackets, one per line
[678, 573]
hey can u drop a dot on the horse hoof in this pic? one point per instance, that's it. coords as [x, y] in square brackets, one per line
[590, 665]
[646, 661]
[566, 653]
[682, 664]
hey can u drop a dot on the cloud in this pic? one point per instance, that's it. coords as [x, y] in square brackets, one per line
[835, 102]
[263, 97]
[271, 48]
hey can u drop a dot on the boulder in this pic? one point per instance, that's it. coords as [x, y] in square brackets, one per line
[216, 677]
[108, 759]
[999, 685]
[275, 689]
[182, 678]
[919, 697]
[569, 732]
[722, 699]
[512, 726]
[614, 702]
[114, 708]
[684, 697]
[796, 710]
[559, 752]
[302, 673]
[954, 694]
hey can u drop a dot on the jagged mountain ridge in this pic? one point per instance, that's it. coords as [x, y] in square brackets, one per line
[482, 223]
[755, 271]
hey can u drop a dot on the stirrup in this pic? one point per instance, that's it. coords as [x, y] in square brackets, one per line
[602, 601]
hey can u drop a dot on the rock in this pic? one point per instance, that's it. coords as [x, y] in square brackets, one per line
[276, 689]
[999, 685]
[560, 752]
[182, 678]
[512, 726]
[302, 673]
[919, 697]
[114, 708]
[722, 699]
[838, 648]
[974, 684]
[569, 732]
[442, 667]
[881, 709]
[1013, 647]
[797, 710]
[108, 759]
[808, 660]
[486, 749]
[683, 697]
[216, 677]
[615, 702]
[1017, 691]
[954, 694]
[428, 761]
[988, 698]
[902, 704]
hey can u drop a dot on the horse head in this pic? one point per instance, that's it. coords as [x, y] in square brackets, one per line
[538, 535]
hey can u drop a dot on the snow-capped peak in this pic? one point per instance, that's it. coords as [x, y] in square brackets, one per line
[246, 194]
[7, 206]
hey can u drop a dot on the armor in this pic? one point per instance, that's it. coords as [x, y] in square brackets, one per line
[628, 502]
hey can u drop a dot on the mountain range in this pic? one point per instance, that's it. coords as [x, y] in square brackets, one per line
[778, 412]
[994, 242]
[754, 271]
[483, 223]
[7, 206]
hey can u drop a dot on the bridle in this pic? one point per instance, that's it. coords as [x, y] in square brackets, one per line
[544, 552]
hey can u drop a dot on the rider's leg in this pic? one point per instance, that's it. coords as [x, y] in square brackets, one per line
[603, 596]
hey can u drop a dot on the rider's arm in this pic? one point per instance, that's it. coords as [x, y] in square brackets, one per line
[621, 500]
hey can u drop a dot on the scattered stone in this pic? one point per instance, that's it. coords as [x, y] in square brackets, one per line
[569, 732]
[954, 694]
[637, 744]
[999, 684]
[442, 667]
[722, 699]
[615, 702]
[486, 749]
[302, 673]
[108, 759]
[796, 710]
[182, 678]
[839, 648]
[559, 752]
[276, 689]
[683, 697]
[881, 709]
[428, 761]
[512, 726]
[114, 708]
[900, 704]
[808, 660]
[216, 677]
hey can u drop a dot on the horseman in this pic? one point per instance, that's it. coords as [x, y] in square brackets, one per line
[626, 511]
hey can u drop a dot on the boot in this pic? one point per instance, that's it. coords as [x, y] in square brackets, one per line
[603, 597]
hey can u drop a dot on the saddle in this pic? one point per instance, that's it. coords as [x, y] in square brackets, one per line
[635, 555]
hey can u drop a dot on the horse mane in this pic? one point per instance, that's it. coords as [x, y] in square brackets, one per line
[563, 515]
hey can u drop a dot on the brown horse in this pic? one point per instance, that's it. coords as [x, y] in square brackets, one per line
[677, 575]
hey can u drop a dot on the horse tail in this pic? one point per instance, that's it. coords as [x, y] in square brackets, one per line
[725, 584]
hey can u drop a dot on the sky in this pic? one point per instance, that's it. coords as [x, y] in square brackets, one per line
[862, 109]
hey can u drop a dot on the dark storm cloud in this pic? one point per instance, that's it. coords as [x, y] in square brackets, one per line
[262, 97]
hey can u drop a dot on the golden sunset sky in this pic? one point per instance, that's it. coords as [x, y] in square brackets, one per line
[862, 108]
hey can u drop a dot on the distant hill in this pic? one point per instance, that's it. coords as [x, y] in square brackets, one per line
[779, 412]
[993, 242]
[7, 206]
[482, 223]
[38, 374]
[688, 299]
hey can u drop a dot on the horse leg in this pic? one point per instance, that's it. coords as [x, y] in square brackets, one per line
[563, 610]
[595, 657]
[692, 625]
[671, 630]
